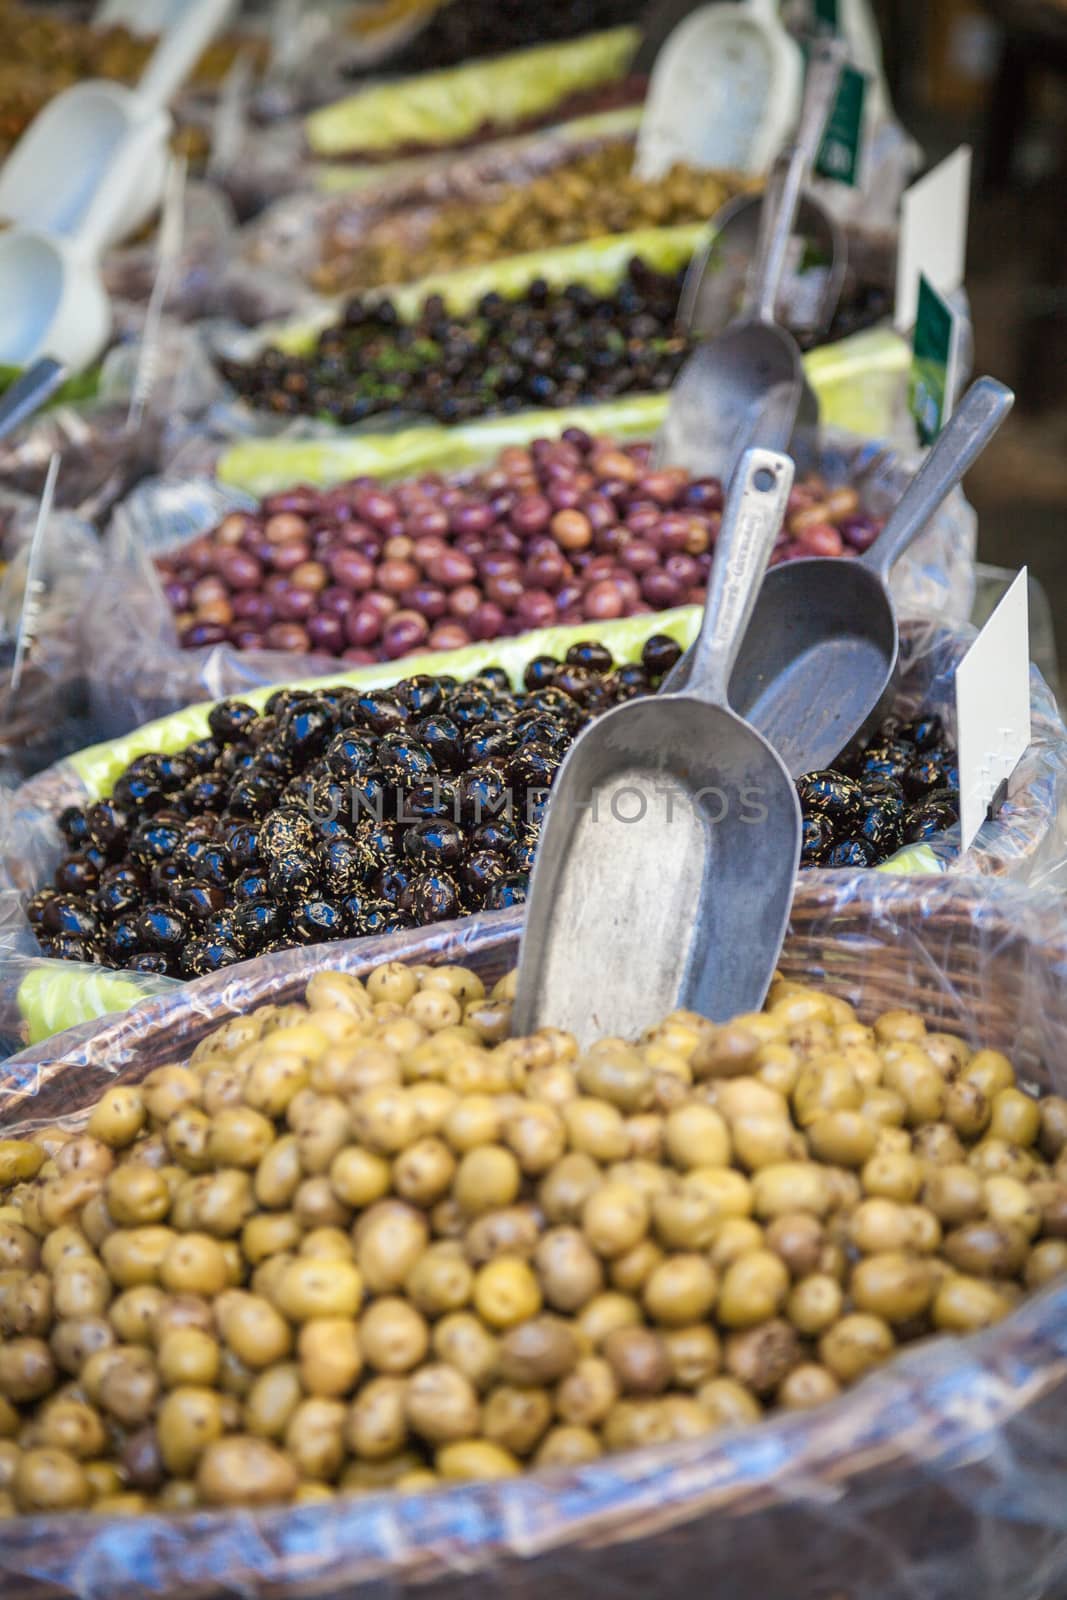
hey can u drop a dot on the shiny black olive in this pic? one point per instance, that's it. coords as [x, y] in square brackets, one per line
[403, 762]
[483, 793]
[36, 904]
[432, 897]
[282, 699]
[250, 886]
[327, 829]
[242, 842]
[123, 940]
[69, 947]
[929, 817]
[923, 732]
[495, 833]
[479, 872]
[495, 679]
[74, 826]
[382, 712]
[421, 695]
[441, 736]
[202, 956]
[631, 681]
[215, 865]
[554, 703]
[153, 841]
[327, 799]
[377, 917]
[291, 877]
[236, 759]
[175, 772]
[108, 826]
[76, 875]
[315, 921]
[351, 754]
[436, 842]
[230, 720]
[259, 921]
[886, 791]
[380, 839]
[533, 768]
[67, 913]
[155, 961]
[487, 743]
[540, 672]
[95, 858]
[223, 927]
[197, 901]
[285, 831]
[115, 897]
[273, 763]
[470, 705]
[578, 683]
[342, 867]
[590, 653]
[882, 828]
[817, 835]
[837, 797]
[851, 853]
[659, 654]
[510, 891]
[522, 857]
[164, 878]
[922, 776]
[305, 729]
[392, 883]
[885, 762]
[438, 798]
[253, 795]
[161, 928]
[351, 908]
[367, 800]
[203, 754]
[134, 792]
[206, 793]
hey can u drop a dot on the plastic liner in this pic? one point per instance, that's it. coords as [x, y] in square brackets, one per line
[139, 670]
[441, 108]
[944, 1473]
[49, 715]
[1027, 842]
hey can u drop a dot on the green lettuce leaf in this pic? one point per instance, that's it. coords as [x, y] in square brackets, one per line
[447, 106]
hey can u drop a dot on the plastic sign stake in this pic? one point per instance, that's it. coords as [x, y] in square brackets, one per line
[933, 234]
[993, 708]
[934, 362]
[31, 597]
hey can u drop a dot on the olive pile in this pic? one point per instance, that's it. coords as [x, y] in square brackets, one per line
[594, 194]
[463, 30]
[370, 1241]
[569, 530]
[901, 788]
[551, 347]
[333, 814]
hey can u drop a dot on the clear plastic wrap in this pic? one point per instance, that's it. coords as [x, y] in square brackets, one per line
[943, 1473]
[1026, 842]
[139, 670]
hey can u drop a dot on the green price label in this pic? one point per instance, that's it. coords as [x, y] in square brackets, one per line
[839, 153]
[826, 18]
[931, 360]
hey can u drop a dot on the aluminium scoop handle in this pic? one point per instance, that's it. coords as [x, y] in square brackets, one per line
[784, 188]
[953, 453]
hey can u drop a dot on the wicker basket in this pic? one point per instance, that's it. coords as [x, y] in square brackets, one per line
[944, 1475]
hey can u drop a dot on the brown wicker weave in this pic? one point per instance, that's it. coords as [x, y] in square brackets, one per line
[944, 1476]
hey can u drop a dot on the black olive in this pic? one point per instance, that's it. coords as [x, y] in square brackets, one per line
[259, 921]
[479, 872]
[117, 895]
[659, 654]
[631, 681]
[510, 891]
[351, 754]
[382, 712]
[851, 853]
[327, 829]
[242, 842]
[495, 833]
[70, 947]
[253, 795]
[923, 732]
[589, 653]
[214, 864]
[197, 901]
[392, 883]
[155, 961]
[153, 841]
[203, 754]
[76, 875]
[837, 797]
[495, 679]
[929, 817]
[817, 835]
[203, 956]
[161, 928]
[304, 730]
[67, 913]
[378, 917]
[230, 720]
[285, 831]
[483, 794]
[36, 904]
[174, 771]
[436, 842]
[164, 878]
[540, 672]
[272, 762]
[281, 700]
[314, 921]
[533, 768]
[487, 743]
[291, 877]
[403, 762]
[206, 793]
[74, 826]
[432, 897]
[421, 695]
[343, 865]
[134, 792]
[108, 826]
[470, 705]
[222, 927]
[882, 829]
[367, 800]
[123, 940]
[441, 736]
[884, 761]
[522, 857]
[380, 839]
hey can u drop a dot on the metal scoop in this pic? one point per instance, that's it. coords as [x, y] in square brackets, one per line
[665, 869]
[815, 668]
[746, 387]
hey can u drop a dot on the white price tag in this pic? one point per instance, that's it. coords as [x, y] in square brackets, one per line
[933, 233]
[993, 707]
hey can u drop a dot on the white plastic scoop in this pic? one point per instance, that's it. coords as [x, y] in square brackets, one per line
[52, 297]
[53, 173]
